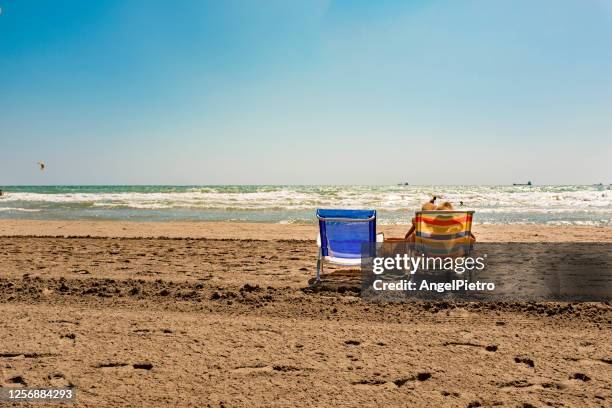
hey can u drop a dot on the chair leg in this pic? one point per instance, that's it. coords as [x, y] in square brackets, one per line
[319, 267]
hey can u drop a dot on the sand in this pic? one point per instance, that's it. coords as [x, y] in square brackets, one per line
[269, 231]
[222, 315]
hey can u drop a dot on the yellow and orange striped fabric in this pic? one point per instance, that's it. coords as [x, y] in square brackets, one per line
[443, 233]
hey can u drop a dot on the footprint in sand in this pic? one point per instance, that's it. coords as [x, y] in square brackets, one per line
[136, 366]
[262, 368]
[524, 360]
[254, 369]
[18, 379]
[59, 380]
[580, 377]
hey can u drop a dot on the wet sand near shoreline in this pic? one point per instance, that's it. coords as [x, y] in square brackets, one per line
[271, 231]
[222, 315]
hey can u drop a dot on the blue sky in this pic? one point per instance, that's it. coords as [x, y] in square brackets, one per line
[305, 92]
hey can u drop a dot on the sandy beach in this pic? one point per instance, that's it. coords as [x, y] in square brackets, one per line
[221, 314]
[276, 231]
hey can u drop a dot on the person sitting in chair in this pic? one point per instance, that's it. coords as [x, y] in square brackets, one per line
[431, 206]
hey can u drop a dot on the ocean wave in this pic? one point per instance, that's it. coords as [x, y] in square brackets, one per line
[19, 209]
[286, 199]
[515, 204]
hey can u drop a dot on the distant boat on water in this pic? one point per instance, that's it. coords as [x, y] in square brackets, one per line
[521, 184]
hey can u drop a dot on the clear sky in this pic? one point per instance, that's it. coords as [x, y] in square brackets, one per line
[305, 92]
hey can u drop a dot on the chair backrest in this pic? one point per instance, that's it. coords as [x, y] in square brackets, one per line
[344, 231]
[443, 233]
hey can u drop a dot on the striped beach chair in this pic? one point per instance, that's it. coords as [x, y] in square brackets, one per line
[342, 234]
[443, 233]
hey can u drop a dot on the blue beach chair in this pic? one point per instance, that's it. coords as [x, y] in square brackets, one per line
[341, 235]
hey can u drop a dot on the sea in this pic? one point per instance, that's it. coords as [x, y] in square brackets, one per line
[288, 204]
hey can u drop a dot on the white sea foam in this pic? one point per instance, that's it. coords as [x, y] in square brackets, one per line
[512, 204]
[19, 209]
[287, 199]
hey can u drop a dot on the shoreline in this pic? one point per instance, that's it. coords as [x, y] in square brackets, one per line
[273, 231]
